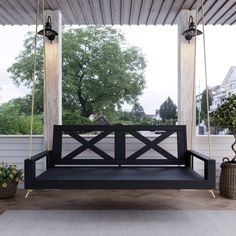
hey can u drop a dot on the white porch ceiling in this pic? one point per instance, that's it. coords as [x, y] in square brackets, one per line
[117, 12]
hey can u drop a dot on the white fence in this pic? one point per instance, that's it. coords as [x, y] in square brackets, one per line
[16, 148]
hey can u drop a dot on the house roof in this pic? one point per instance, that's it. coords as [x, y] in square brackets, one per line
[112, 12]
[230, 77]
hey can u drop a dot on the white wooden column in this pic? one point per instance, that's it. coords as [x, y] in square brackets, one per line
[186, 102]
[53, 79]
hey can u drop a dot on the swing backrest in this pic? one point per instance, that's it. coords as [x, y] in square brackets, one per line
[121, 139]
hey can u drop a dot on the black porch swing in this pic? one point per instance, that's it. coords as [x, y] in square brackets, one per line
[118, 170]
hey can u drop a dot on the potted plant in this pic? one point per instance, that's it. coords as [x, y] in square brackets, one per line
[225, 117]
[10, 176]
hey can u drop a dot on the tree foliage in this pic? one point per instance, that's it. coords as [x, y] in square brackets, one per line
[204, 111]
[168, 110]
[100, 70]
[12, 121]
[225, 115]
[138, 112]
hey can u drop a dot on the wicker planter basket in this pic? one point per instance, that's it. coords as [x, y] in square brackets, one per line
[228, 180]
[9, 191]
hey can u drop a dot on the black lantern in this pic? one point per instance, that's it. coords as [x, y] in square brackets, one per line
[191, 32]
[49, 33]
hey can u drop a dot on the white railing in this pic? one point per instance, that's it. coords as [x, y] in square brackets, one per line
[15, 148]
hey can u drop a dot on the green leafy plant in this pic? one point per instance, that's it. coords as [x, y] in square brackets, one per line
[225, 117]
[9, 173]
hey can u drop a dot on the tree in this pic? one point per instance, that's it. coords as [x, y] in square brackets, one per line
[225, 117]
[13, 122]
[138, 111]
[168, 110]
[203, 113]
[100, 70]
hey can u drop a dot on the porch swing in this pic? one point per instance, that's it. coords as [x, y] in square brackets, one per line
[119, 170]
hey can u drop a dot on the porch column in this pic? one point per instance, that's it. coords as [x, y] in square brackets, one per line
[53, 79]
[186, 76]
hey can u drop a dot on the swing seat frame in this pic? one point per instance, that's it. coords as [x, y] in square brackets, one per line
[120, 170]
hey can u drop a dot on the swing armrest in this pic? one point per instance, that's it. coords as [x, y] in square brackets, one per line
[209, 165]
[40, 156]
[30, 167]
[199, 156]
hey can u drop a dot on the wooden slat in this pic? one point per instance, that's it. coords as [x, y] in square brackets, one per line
[74, 15]
[121, 11]
[120, 145]
[192, 6]
[4, 21]
[149, 12]
[5, 11]
[97, 13]
[80, 14]
[178, 11]
[66, 11]
[208, 8]
[126, 4]
[144, 11]
[121, 162]
[30, 9]
[181, 143]
[156, 128]
[153, 12]
[109, 12]
[87, 11]
[136, 11]
[229, 18]
[23, 11]
[159, 12]
[168, 13]
[131, 10]
[53, 6]
[233, 20]
[225, 14]
[105, 9]
[57, 144]
[15, 7]
[216, 10]
[92, 13]
[112, 12]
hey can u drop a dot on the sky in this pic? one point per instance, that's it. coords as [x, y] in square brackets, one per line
[159, 46]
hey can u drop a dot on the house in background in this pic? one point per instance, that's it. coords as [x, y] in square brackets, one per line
[229, 83]
[220, 92]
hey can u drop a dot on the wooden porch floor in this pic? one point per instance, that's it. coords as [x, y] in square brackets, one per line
[117, 200]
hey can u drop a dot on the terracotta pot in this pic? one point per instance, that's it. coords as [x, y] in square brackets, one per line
[9, 191]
